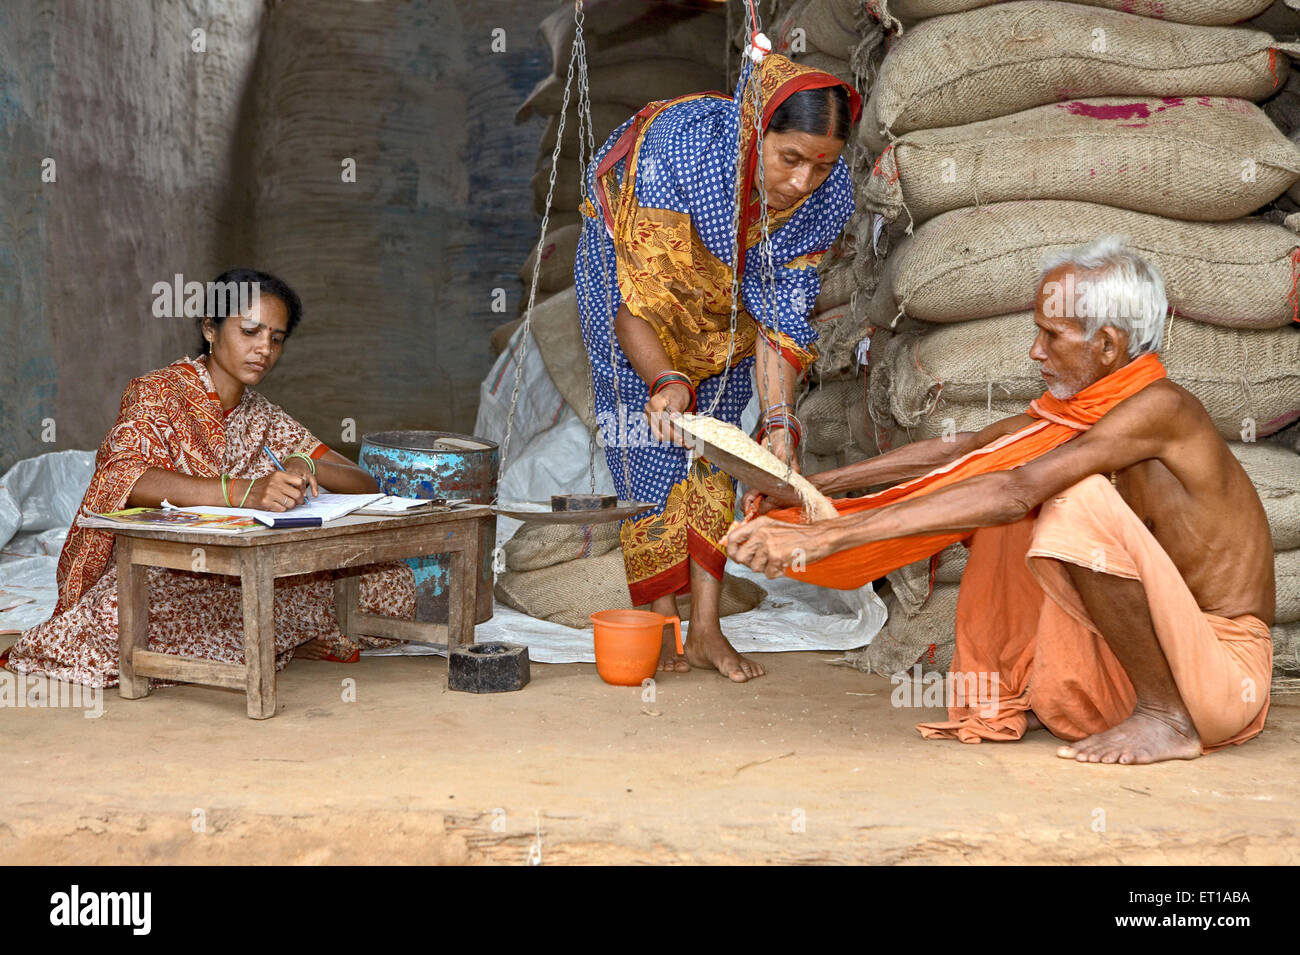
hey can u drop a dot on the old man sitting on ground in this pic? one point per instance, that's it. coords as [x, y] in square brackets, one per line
[1120, 578]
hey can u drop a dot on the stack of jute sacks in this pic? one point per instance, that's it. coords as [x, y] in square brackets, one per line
[842, 38]
[1004, 132]
[637, 51]
[566, 572]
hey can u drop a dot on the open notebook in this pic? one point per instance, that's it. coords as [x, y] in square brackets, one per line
[327, 507]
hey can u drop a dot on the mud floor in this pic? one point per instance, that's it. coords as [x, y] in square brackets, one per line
[809, 764]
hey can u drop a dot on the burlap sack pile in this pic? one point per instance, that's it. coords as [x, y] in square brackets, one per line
[1002, 133]
[1207, 12]
[637, 51]
[566, 572]
[843, 38]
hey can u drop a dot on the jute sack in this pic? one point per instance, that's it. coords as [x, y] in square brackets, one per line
[817, 463]
[558, 333]
[631, 84]
[831, 26]
[952, 564]
[824, 413]
[570, 592]
[981, 262]
[861, 428]
[910, 586]
[557, 260]
[1275, 473]
[906, 640]
[1236, 374]
[1286, 649]
[605, 118]
[947, 419]
[565, 196]
[827, 64]
[636, 31]
[1205, 160]
[1013, 56]
[1286, 576]
[1278, 19]
[838, 334]
[1209, 12]
[537, 544]
[837, 283]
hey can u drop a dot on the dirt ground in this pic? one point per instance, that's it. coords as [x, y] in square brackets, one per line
[809, 764]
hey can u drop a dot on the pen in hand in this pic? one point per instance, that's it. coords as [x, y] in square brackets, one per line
[274, 460]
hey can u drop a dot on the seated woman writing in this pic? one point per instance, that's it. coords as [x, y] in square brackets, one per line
[192, 433]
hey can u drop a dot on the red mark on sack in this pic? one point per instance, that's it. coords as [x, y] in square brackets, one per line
[932, 653]
[1272, 63]
[1116, 111]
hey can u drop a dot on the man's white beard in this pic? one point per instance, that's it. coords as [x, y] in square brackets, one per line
[1063, 391]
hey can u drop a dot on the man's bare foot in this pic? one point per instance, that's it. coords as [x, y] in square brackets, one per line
[710, 650]
[1142, 738]
[670, 661]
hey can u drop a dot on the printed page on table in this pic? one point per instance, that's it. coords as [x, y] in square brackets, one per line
[327, 507]
[170, 519]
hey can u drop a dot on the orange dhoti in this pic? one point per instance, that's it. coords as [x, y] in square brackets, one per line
[1020, 617]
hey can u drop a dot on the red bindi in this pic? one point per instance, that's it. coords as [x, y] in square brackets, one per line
[821, 155]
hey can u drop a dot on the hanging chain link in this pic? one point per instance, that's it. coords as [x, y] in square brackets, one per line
[525, 332]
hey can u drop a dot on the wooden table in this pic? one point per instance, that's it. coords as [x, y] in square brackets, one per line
[258, 557]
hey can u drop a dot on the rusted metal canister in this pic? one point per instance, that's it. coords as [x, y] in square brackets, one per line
[439, 464]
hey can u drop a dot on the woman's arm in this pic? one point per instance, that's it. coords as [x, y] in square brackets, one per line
[337, 474]
[270, 492]
[278, 491]
[646, 353]
[778, 382]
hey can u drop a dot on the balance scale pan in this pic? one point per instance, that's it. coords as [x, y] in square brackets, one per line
[542, 513]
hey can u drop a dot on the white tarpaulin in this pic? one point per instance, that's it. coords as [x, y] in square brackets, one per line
[38, 500]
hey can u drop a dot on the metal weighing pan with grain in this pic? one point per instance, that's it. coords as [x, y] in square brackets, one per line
[777, 489]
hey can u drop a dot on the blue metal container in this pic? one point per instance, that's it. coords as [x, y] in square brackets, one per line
[439, 464]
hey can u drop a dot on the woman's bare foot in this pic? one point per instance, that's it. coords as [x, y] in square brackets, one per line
[670, 661]
[312, 650]
[710, 650]
[1142, 738]
[319, 649]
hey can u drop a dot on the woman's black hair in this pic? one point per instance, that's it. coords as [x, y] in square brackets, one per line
[218, 304]
[819, 112]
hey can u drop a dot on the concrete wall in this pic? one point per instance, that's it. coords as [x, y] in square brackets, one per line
[170, 160]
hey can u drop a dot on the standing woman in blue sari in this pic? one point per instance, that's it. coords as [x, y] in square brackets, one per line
[654, 281]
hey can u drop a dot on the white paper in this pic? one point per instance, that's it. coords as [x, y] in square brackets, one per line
[327, 507]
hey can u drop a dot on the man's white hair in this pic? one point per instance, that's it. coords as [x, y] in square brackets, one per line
[1120, 289]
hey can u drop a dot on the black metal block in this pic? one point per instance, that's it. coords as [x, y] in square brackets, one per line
[488, 668]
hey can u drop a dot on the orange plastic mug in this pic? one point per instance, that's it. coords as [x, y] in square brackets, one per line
[628, 643]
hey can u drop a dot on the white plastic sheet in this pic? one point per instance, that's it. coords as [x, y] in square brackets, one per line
[38, 500]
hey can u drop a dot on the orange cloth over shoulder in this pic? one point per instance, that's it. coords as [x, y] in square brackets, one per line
[1059, 421]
